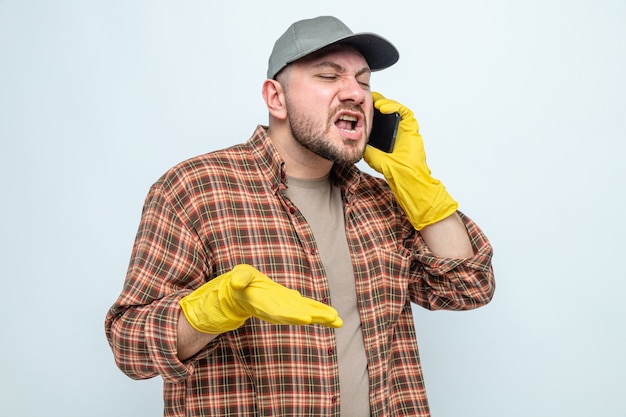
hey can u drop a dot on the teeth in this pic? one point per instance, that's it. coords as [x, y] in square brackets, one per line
[348, 118]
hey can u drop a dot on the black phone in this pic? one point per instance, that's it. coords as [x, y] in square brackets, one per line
[384, 130]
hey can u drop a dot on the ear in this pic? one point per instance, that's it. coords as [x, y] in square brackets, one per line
[274, 97]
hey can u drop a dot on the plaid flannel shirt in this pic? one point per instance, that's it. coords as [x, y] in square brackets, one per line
[212, 212]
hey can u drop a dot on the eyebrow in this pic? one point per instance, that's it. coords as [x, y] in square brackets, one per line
[339, 68]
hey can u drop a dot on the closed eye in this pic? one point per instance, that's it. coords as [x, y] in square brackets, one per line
[328, 77]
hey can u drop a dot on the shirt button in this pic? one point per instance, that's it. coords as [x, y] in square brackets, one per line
[325, 300]
[331, 351]
[334, 399]
[292, 210]
[313, 251]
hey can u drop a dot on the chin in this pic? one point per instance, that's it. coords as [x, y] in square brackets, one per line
[352, 157]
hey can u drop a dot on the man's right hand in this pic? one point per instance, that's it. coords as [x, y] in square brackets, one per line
[227, 301]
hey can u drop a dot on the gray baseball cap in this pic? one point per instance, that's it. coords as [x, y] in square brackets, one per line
[307, 36]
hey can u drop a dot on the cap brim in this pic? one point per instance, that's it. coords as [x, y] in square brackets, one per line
[291, 47]
[377, 51]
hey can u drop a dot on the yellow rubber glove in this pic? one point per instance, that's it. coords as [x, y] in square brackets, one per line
[227, 301]
[423, 198]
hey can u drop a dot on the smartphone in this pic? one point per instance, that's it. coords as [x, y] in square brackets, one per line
[384, 130]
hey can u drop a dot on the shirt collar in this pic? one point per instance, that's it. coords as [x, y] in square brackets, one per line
[272, 164]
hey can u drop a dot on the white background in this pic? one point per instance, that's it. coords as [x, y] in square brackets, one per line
[522, 105]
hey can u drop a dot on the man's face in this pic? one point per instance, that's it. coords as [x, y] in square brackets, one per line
[329, 104]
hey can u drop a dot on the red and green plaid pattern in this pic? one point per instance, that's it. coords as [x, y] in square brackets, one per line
[212, 212]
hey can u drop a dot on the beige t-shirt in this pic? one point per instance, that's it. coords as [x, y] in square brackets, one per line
[321, 204]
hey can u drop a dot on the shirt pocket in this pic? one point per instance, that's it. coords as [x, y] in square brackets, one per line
[390, 272]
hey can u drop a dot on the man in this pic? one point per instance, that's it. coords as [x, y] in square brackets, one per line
[274, 278]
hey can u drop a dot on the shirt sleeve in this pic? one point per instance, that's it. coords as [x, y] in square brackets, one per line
[454, 284]
[167, 263]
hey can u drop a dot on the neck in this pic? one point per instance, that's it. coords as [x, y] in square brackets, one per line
[299, 161]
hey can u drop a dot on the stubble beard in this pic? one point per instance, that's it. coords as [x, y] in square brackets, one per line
[316, 138]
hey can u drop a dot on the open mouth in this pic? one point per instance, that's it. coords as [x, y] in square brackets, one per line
[347, 122]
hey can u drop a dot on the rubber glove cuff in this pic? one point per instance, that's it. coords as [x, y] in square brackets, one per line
[424, 199]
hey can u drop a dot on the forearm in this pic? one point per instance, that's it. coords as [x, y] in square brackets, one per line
[448, 238]
[454, 283]
[189, 340]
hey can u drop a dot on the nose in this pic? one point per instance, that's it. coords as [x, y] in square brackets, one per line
[352, 90]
